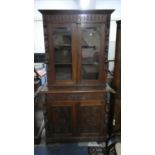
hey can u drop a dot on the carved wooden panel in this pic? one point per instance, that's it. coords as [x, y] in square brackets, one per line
[91, 117]
[45, 37]
[106, 43]
[75, 18]
[60, 118]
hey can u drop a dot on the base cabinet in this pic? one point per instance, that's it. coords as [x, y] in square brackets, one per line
[76, 119]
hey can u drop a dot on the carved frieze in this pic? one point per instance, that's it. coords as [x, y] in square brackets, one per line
[76, 18]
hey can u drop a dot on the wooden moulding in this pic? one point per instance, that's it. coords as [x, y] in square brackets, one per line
[108, 11]
[76, 16]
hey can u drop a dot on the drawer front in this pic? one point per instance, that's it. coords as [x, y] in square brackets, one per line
[76, 96]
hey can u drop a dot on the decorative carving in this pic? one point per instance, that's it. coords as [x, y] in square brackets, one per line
[75, 18]
[88, 118]
[61, 120]
[106, 43]
[86, 112]
[45, 37]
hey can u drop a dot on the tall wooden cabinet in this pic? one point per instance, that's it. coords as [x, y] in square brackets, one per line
[116, 83]
[76, 104]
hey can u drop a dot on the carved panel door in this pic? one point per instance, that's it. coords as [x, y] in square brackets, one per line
[60, 118]
[91, 118]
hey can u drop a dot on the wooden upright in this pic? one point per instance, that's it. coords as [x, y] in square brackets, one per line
[116, 83]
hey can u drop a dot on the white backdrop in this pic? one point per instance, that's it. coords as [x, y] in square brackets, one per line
[74, 4]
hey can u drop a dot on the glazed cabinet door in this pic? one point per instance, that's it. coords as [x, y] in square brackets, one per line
[62, 55]
[91, 42]
[91, 118]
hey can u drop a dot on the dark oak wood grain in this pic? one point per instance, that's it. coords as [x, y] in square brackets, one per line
[76, 109]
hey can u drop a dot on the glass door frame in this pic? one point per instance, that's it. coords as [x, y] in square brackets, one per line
[51, 53]
[102, 76]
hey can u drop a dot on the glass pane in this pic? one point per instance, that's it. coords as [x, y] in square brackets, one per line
[90, 52]
[63, 53]
[63, 72]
